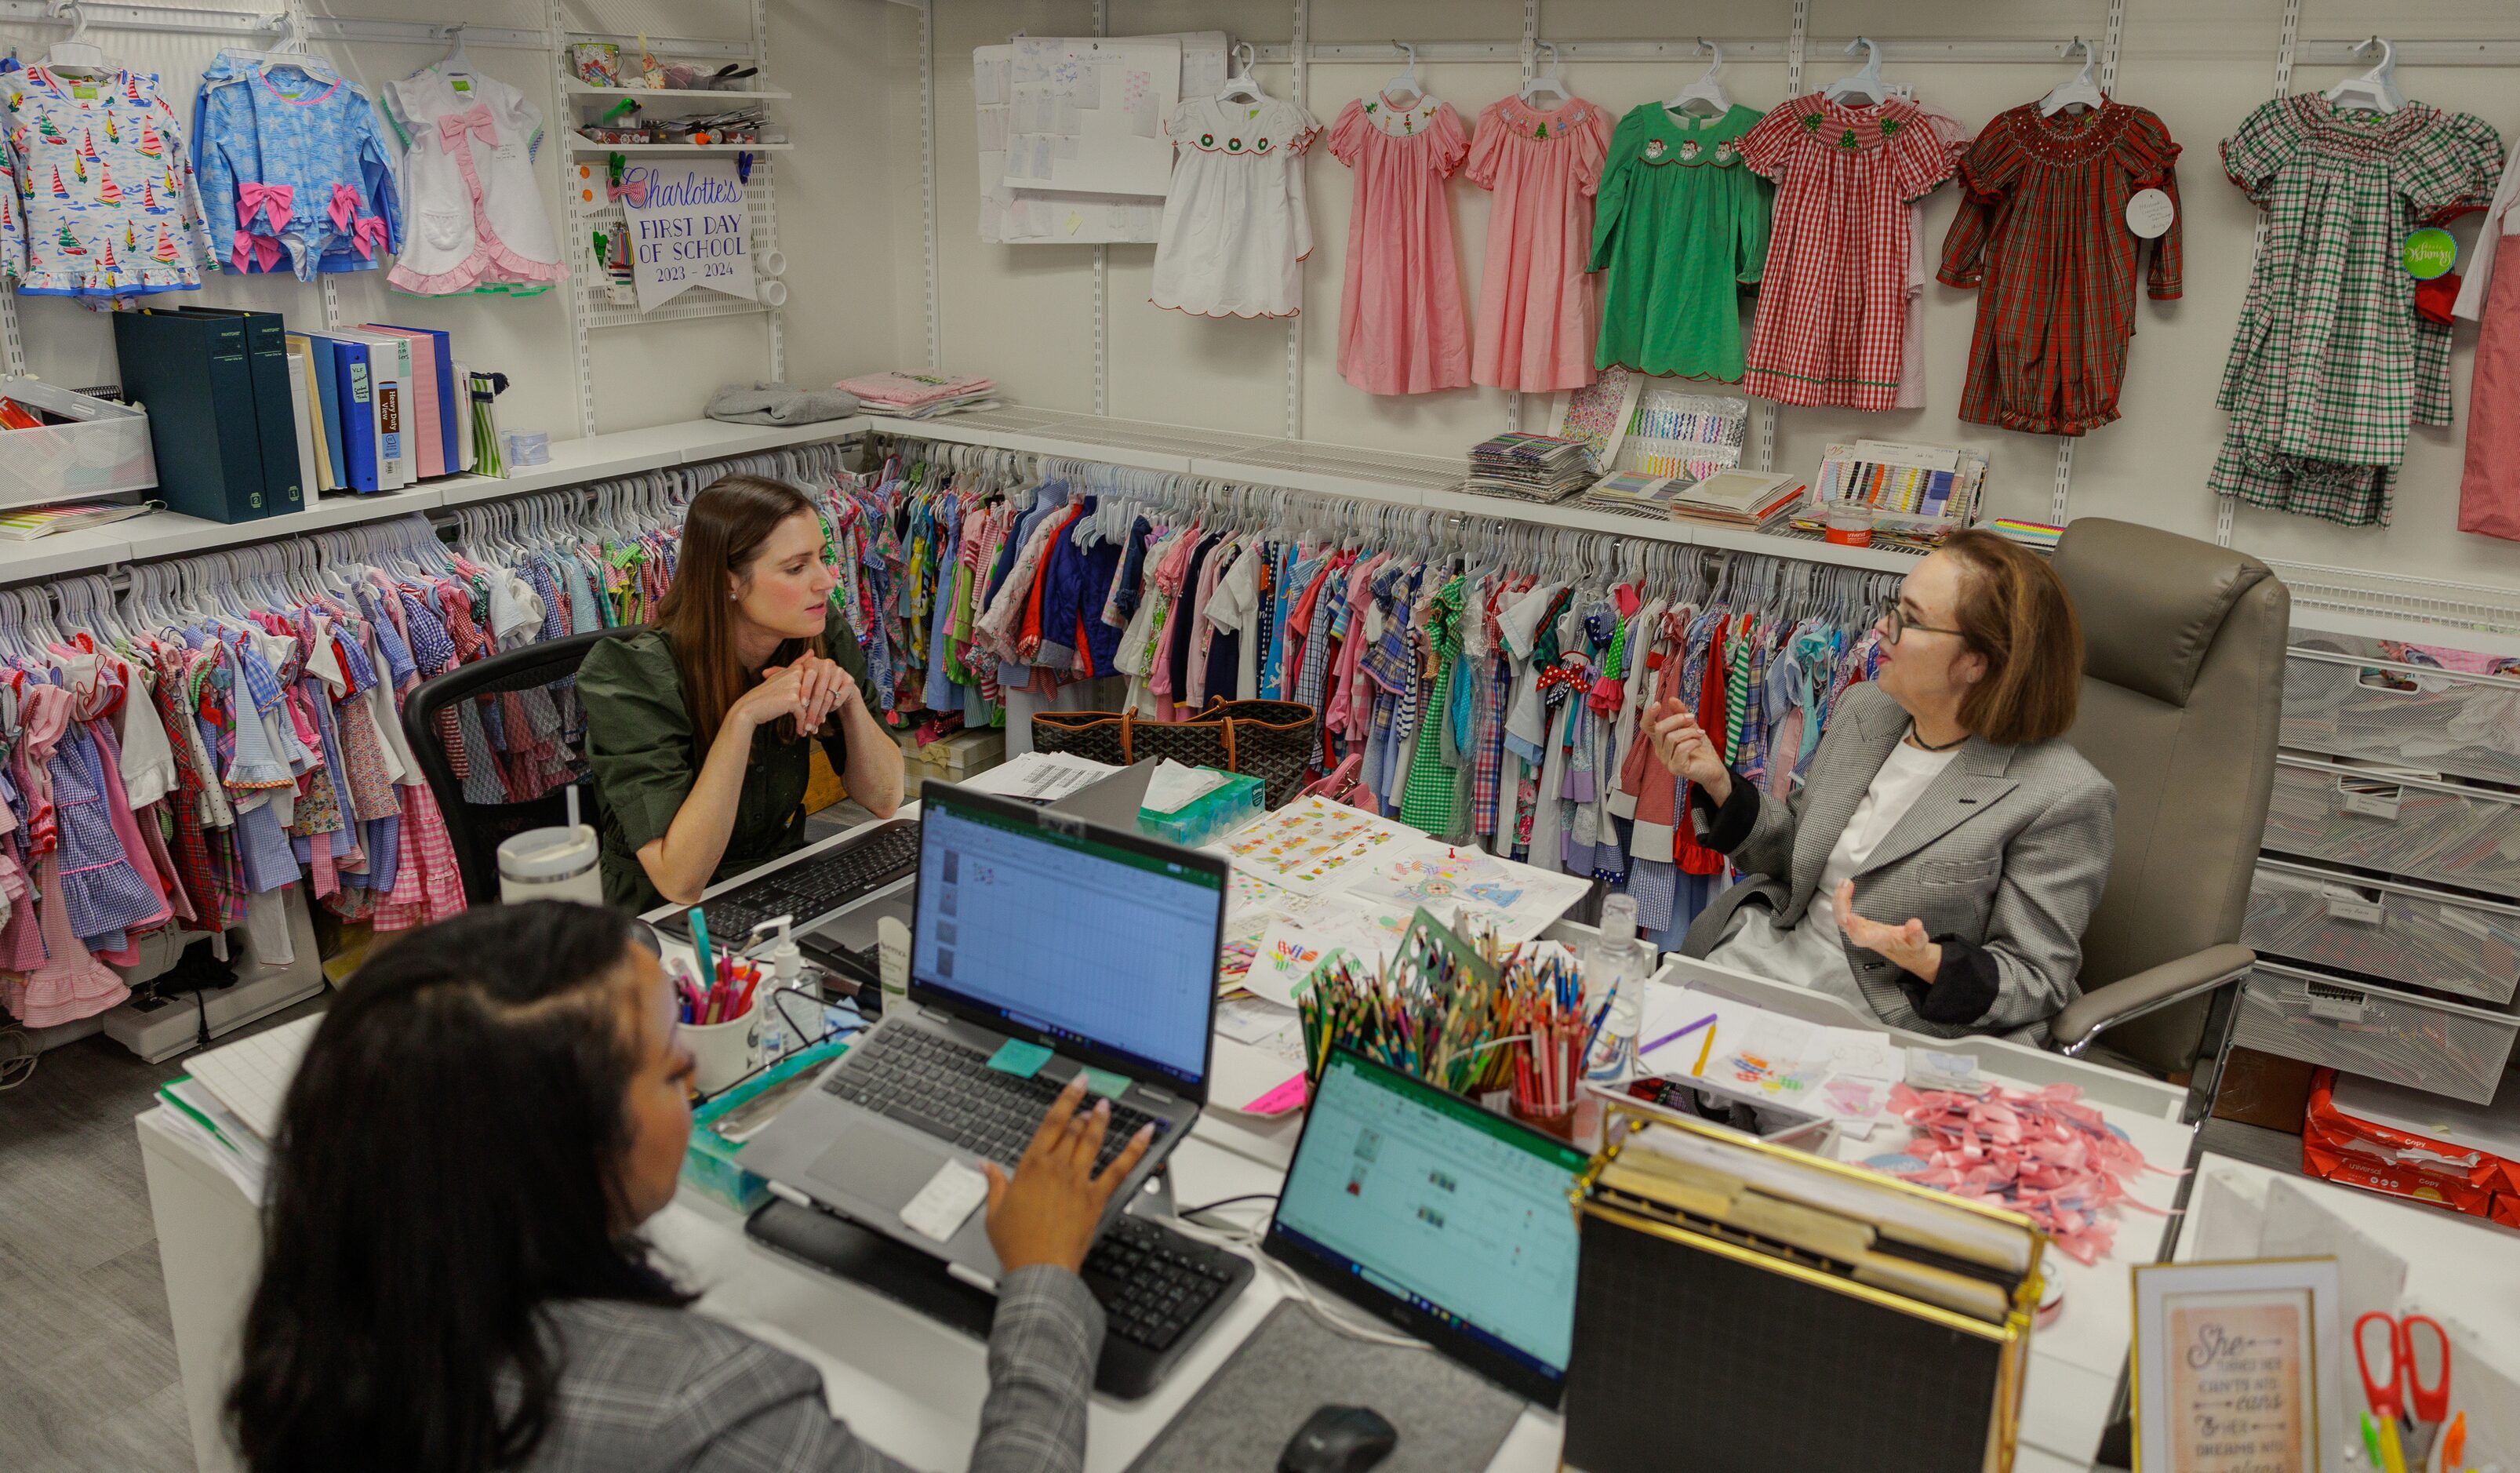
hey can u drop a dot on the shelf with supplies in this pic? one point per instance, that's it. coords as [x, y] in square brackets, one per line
[594, 457]
[587, 147]
[577, 88]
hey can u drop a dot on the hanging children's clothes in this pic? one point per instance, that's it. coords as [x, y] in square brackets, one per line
[477, 214]
[2489, 489]
[1235, 225]
[2042, 233]
[1682, 227]
[1832, 313]
[1537, 292]
[2331, 361]
[296, 170]
[1400, 316]
[110, 204]
[1953, 135]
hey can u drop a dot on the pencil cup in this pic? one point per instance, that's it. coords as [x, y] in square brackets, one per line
[722, 1052]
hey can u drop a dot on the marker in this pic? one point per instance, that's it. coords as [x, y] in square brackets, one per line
[701, 940]
[1704, 1049]
[1678, 1033]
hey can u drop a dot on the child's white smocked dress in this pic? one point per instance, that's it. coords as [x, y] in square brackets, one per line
[476, 219]
[1236, 224]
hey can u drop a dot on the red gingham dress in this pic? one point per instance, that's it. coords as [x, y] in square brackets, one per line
[1834, 307]
[2042, 233]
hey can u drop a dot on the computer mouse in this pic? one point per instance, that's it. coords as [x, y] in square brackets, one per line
[1339, 1440]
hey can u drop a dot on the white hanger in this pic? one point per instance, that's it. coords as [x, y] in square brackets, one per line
[291, 50]
[455, 63]
[1239, 87]
[1866, 83]
[1547, 81]
[75, 53]
[2084, 90]
[2375, 90]
[1707, 93]
[1406, 81]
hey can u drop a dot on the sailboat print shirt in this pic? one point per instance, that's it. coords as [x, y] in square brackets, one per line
[106, 201]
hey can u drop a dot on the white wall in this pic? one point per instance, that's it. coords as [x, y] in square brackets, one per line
[833, 207]
[1024, 314]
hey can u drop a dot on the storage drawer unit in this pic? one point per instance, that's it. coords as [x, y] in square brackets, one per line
[2419, 827]
[2455, 1048]
[2382, 929]
[2344, 694]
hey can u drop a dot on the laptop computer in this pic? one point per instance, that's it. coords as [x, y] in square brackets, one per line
[1028, 927]
[1453, 1222]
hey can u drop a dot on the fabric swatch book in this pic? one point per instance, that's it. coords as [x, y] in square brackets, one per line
[1739, 498]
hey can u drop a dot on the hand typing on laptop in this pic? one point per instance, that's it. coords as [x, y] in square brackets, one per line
[1048, 1211]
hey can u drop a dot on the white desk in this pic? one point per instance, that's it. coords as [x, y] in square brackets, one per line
[914, 1386]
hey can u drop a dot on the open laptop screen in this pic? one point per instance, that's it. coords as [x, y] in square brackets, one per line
[1451, 1221]
[1092, 941]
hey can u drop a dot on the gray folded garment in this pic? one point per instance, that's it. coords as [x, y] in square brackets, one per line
[779, 404]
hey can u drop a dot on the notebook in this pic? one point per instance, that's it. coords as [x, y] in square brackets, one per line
[251, 1076]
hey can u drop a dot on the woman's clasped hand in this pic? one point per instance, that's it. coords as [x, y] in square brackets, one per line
[814, 690]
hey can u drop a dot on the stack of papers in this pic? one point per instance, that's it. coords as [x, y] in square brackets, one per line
[1739, 499]
[1542, 467]
[1040, 777]
[919, 396]
[26, 523]
[229, 1105]
[1634, 493]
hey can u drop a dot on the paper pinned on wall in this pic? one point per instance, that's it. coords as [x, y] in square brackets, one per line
[1018, 207]
[1070, 119]
[1061, 148]
[1088, 91]
[1115, 157]
[989, 74]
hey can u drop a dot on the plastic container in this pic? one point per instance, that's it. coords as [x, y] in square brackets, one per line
[1848, 523]
[2343, 694]
[1219, 811]
[551, 864]
[2420, 828]
[105, 452]
[2380, 928]
[2424, 1043]
[711, 1163]
[1616, 966]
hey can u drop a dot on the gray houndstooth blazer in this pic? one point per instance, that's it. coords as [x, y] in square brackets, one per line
[2003, 857]
[645, 1388]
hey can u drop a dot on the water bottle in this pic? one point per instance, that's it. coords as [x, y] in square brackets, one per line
[1616, 970]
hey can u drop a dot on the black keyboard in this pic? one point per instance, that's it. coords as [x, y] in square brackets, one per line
[949, 1091]
[1156, 1284]
[810, 888]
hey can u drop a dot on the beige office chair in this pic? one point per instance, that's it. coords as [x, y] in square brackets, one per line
[2183, 692]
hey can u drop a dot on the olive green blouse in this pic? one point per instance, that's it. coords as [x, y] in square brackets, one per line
[640, 745]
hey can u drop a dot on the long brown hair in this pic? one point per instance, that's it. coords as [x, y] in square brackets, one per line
[2015, 610]
[722, 535]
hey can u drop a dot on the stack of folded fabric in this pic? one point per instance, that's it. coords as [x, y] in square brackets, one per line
[1543, 467]
[919, 396]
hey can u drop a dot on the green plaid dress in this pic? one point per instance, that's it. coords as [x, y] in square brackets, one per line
[2331, 364]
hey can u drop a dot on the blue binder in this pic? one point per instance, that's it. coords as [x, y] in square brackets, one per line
[356, 393]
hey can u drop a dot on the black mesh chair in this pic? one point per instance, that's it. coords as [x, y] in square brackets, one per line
[476, 829]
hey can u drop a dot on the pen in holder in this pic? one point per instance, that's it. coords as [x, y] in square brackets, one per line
[722, 1052]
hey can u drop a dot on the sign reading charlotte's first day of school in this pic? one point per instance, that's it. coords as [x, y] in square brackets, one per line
[688, 228]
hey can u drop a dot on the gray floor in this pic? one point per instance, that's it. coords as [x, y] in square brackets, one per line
[87, 1357]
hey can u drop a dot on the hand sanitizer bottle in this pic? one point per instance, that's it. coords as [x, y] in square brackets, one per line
[1615, 971]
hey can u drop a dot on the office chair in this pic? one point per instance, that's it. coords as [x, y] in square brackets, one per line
[476, 828]
[2182, 695]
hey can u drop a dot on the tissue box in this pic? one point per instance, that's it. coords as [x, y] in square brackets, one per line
[712, 1164]
[1219, 811]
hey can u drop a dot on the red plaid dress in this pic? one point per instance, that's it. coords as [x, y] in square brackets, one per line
[2042, 233]
[1833, 305]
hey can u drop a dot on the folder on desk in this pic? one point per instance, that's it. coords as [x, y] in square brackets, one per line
[1785, 1310]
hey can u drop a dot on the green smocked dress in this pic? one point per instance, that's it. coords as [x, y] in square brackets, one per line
[640, 745]
[1682, 226]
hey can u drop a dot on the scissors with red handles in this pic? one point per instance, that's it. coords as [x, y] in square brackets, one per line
[2398, 1395]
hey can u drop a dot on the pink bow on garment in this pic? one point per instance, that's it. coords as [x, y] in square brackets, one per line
[273, 203]
[344, 205]
[473, 119]
[368, 235]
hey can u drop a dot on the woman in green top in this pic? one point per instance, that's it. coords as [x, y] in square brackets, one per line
[696, 728]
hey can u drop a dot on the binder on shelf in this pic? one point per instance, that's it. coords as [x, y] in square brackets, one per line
[388, 383]
[433, 355]
[302, 373]
[460, 414]
[275, 413]
[361, 445]
[191, 373]
[328, 394]
[304, 420]
[1784, 1308]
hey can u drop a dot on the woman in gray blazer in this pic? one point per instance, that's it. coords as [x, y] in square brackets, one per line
[453, 1279]
[1942, 857]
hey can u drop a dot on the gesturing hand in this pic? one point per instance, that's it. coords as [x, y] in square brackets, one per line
[1685, 750]
[1048, 1211]
[1908, 947]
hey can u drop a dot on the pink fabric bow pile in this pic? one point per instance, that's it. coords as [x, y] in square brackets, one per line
[2037, 1151]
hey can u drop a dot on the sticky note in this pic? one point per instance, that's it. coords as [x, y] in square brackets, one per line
[1290, 1096]
[1105, 1082]
[1021, 1059]
[942, 1205]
